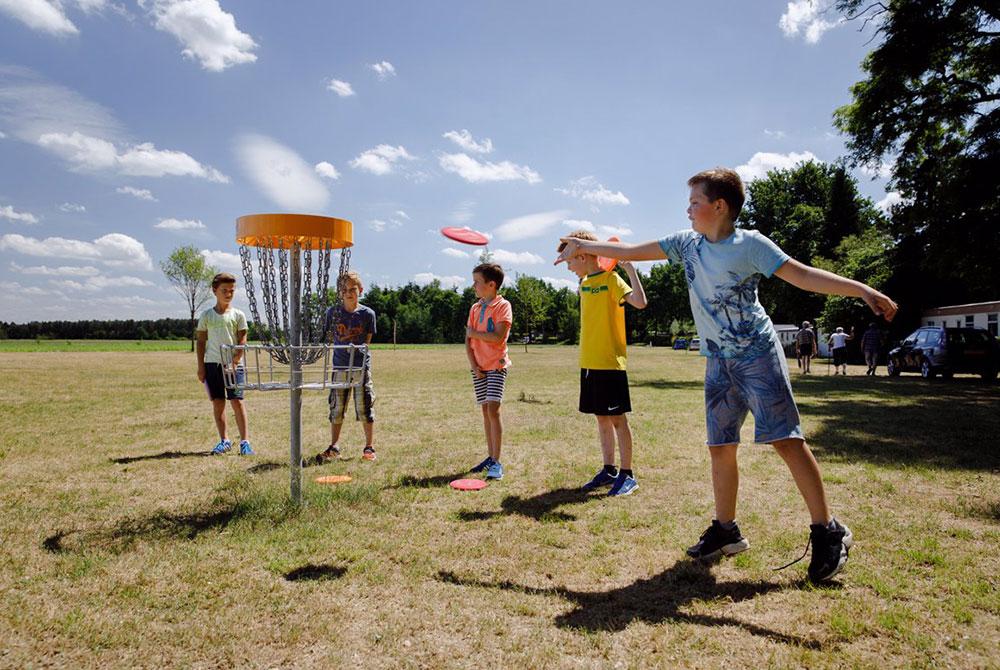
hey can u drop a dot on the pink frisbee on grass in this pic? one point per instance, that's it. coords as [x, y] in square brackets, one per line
[468, 484]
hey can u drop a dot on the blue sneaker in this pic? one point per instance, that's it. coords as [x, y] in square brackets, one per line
[222, 447]
[245, 449]
[602, 478]
[485, 465]
[495, 471]
[624, 485]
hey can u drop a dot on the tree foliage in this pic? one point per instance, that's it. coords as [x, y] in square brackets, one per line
[189, 273]
[929, 107]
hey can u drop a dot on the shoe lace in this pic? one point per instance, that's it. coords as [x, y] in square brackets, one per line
[788, 565]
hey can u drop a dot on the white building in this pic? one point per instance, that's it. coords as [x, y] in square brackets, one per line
[975, 315]
[786, 334]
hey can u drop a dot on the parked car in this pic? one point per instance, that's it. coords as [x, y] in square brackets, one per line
[694, 344]
[680, 343]
[934, 350]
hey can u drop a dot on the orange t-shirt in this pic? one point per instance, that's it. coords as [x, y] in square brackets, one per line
[484, 318]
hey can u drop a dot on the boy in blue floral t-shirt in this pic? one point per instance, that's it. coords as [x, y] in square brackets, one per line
[746, 368]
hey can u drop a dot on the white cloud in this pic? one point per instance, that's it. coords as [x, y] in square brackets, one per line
[9, 213]
[464, 139]
[778, 134]
[99, 283]
[377, 225]
[811, 18]
[341, 88]
[281, 174]
[141, 193]
[60, 271]
[402, 215]
[450, 281]
[114, 249]
[531, 225]
[11, 290]
[324, 169]
[473, 171]
[463, 212]
[883, 170]
[88, 153]
[381, 160]
[224, 261]
[384, 69]
[588, 190]
[620, 231]
[762, 162]
[562, 282]
[505, 257]
[891, 199]
[41, 15]
[72, 207]
[3, 135]
[179, 224]
[207, 33]
[454, 253]
[580, 224]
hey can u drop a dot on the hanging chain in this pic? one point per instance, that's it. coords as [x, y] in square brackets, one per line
[307, 306]
[248, 285]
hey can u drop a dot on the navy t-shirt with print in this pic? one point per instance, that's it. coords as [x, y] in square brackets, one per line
[349, 328]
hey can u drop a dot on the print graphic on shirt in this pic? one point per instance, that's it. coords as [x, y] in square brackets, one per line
[351, 334]
[734, 301]
[688, 254]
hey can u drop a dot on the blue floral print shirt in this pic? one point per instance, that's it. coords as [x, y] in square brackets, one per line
[722, 282]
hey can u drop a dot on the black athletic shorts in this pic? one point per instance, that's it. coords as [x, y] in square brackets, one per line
[604, 392]
[216, 385]
[840, 356]
[805, 350]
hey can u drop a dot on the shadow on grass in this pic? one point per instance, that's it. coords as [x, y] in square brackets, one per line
[165, 455]
[540, 508]
[655, 600]
[409, 481]
[948, 424]
[268, 466]
[668, 384]
[313, 572]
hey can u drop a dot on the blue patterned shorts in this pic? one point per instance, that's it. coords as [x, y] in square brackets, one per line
[759, 385]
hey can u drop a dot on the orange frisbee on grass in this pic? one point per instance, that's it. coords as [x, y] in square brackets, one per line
[468, 484]
[332, 479]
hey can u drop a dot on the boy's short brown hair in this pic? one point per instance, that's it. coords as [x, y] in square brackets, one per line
[491, 272]
[348, 278]
[222, 278]
[721, 184]
[580, 235]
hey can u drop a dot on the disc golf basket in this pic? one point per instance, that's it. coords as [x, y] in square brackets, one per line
[291, 271]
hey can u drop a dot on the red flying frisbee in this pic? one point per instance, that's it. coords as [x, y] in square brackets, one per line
[608, 264]
[468, 484]
[465, 235]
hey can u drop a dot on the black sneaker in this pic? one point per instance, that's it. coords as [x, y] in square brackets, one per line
[717, 540]
[830, 547]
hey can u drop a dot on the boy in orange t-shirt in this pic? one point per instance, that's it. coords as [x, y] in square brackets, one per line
[486, 334]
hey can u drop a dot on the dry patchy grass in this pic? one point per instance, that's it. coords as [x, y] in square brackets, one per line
[124, 546]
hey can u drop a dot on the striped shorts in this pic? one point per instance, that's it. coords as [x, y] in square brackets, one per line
[489, 388]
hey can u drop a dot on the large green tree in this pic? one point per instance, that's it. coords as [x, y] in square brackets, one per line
[806, 210]
[191, 275]
[928, 108]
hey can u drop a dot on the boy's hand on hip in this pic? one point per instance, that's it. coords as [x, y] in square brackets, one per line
[201, 374]
[881, 304]
[478, 372]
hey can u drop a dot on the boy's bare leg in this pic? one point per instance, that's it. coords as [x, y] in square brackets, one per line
[369, 427]
[335, 429]
[624, 434]
[606, 431]
[240, 410]
[488, 429]
[805, 472]
[495, 428]
[219, 413]
[725, 481]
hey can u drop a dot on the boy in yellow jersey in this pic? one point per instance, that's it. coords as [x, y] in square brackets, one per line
[603, 380]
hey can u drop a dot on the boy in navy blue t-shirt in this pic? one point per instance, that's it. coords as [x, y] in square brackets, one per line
[746, 369]
[350, 322]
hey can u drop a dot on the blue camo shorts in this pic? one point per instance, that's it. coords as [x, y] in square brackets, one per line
[759, 385]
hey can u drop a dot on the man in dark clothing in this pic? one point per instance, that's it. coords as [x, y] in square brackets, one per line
[805, 345]
[871, 342]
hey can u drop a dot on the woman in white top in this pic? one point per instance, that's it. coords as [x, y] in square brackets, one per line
[838, 343]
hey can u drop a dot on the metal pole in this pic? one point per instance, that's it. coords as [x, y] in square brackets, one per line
[295, 340]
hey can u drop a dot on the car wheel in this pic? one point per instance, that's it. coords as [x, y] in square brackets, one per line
[892, 368]
[926, 371]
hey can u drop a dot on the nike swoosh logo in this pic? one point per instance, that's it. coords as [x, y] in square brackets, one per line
[612, 409]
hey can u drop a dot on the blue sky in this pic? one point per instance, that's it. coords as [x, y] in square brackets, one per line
[130, 128]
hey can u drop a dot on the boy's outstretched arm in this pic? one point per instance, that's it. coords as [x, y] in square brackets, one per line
[637, 298]
[643, 251]
[813, 279]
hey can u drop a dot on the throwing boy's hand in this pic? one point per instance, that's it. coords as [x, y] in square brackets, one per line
[568, 247]
[881, 304]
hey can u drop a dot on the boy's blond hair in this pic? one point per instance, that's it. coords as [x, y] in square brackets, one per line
[348, 278]
[580, 235]
[721, 184]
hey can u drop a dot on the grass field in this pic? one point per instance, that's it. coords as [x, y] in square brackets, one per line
[49, 345]
[124, 546]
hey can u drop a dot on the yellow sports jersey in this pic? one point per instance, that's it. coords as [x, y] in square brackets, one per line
[602, 321]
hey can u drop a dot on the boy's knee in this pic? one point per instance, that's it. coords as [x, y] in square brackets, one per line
[789, 445]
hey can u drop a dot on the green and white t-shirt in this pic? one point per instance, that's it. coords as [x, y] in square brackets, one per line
[222, 329]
